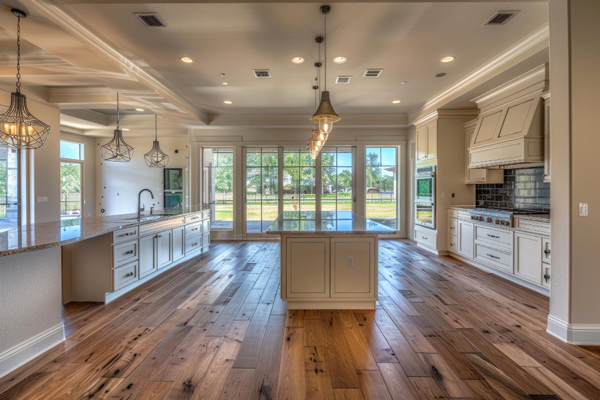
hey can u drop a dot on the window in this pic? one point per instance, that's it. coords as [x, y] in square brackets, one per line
[299, 182]
[9, 199]
[218, 185]
[262, 188]
[382, 185]
[71, 180]
[336, 179]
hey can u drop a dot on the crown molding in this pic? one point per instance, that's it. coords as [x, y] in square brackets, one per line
[511, 56]
[353, 120]
[53, 13]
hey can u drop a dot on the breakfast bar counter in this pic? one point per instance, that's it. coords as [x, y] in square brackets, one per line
[328, 259]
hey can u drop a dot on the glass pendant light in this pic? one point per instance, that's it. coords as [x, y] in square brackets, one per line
[325, 114]
[156, 157]
[18, 127]
[117, 150]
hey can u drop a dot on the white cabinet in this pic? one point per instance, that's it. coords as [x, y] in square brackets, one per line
[125, 275]
[478, 175]
[163, 248]
[465, 239]
[178, 243]
[427, 141]
[547, 165]
[426, 237]
[528, 257]
[125, 252]
[307, 267]
[147, 255]
[352, 270]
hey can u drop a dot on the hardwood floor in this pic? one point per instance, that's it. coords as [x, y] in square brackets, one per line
[215, 328]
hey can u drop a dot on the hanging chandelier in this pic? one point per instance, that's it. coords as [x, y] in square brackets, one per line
[325, 114]
[318, 138]
[117, 150]
[18, 127]
[156, 157]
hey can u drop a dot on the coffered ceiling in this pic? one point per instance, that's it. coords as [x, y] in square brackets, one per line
[65, 56]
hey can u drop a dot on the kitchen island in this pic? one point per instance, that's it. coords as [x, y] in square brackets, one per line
[328, 259]
[99, 259]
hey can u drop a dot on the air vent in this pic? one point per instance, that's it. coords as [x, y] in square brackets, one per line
[151, 20]
[501, 17]
[344, 80]
[372, 73]
[262, 73]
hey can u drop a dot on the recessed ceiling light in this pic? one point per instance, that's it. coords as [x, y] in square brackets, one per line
[297, 60]
[403, 83]
[447, 59]
[139, 109]
[225, 83]
[340, 60]
[228, 102]
[440, 75]
[125, 129]
[186, 60]
[396, 101]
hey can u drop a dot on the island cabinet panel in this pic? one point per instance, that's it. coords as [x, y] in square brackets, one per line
[163, 248]
[178, 243]
[148, 263]
[307, 267]
[352, 267]
[528, 257]
[125, 275]
[465, 239]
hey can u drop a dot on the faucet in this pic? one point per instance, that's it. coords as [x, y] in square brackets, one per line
[139, 209]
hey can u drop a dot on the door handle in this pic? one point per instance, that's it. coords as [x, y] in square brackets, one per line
[244, 198]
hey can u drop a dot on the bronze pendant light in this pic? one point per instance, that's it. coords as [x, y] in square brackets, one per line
[156, 157]
[117, 150]
[18, 127]
[325, 114]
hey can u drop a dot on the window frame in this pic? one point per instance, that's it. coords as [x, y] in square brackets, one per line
[80, 161]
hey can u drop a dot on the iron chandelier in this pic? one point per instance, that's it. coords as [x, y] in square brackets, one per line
[117, 150]
[156, 157]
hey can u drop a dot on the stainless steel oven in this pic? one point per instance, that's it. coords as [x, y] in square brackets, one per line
[425, 196]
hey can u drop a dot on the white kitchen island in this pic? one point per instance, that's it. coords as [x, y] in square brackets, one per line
[328, 259]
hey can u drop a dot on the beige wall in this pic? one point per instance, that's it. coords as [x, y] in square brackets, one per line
[89, 172]
[118, 184]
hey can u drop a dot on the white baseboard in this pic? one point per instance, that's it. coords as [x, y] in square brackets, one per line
[26, 351]
[579, 334]
[432, 250]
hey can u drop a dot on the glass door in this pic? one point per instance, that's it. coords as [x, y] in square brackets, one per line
[218, 186]
[9, 188]
[261, 194]
[382, 185]
[337, 179]
[299, 183]
[70, 190]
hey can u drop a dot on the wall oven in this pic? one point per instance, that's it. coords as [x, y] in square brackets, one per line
[425, 196]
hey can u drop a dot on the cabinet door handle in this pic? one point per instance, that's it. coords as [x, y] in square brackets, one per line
[547, 275]
[451, 244]
[125, 234]
[129, 274]
[493, 256]
[195, 244]
[129, 252]
[451, 227]
[547, 252]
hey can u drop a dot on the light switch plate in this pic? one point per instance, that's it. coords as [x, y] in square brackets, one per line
[443, 195]
[350, 261]
[42, 199]
[583, 209]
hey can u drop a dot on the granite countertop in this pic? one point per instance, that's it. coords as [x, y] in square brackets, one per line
[326, 222]
[535, 217]
[58, 233]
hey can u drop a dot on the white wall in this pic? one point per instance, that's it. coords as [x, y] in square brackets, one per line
[89, 172]
[118, 184]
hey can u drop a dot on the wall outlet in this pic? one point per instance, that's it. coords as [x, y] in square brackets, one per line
[350, 261]
[583, 209]
[42, 199]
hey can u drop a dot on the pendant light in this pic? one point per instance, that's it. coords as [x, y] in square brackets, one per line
[156, 157]
[117, 150]
[325, 115]
[18, 127]
[317, 140]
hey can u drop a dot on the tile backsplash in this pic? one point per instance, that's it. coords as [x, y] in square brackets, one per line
[522, 188]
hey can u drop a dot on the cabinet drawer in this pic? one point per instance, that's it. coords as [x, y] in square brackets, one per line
[196, 217]
[453, 243]
[452, 226]
[546, 250]
[452, 213]
[125, 252]
[496, 236]
[493, 257]
[193, 230]
[125, 275]
[426, 238]
[542, 228]
[193, 244]
[123, 235]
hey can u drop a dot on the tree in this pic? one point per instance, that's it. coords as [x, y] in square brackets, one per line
[70, 178]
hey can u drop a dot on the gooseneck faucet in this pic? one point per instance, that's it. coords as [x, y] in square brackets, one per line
[139, 209]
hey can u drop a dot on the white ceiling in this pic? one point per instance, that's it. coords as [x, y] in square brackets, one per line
[407, 40]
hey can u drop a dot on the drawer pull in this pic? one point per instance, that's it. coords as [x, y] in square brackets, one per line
[129, 274]
[493, 236]
[423, 237]
[451, 244]
[195, 244]
[547, 275]
[194, 229]
[129, 252]
[547, 252]
[451, 227]
[493, 256]
[126, 234]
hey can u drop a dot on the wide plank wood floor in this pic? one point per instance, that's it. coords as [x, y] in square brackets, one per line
[215, 328]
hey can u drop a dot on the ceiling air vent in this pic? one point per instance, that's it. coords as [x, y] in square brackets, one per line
[343, 80]
[262, 73]
[501, 17]
[151, 20]
[372, 73]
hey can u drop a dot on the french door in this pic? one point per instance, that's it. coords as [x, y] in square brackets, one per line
[288, 180]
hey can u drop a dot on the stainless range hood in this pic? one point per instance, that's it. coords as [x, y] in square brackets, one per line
[510, 128]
